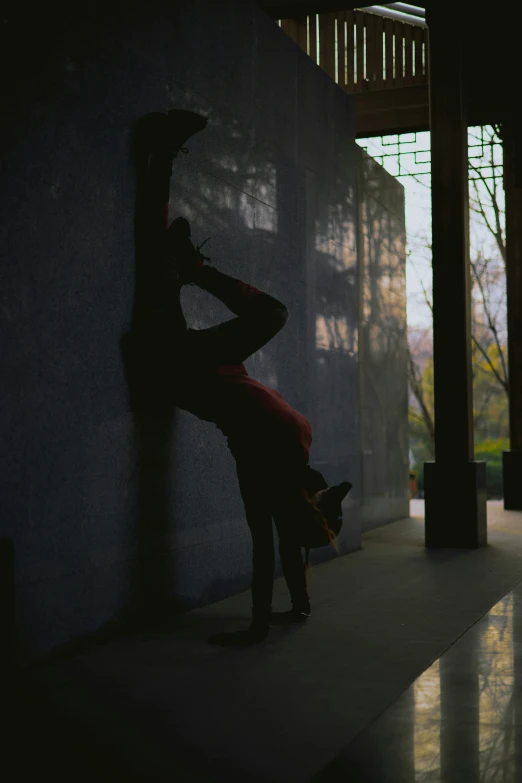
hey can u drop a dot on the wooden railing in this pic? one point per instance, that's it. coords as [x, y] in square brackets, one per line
[362, 51]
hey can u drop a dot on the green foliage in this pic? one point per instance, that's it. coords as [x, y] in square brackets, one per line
[490, 415]
[419, 467]
[494, 480]
[421, 443]
[491, 451]
[490, 400]
[419, 435]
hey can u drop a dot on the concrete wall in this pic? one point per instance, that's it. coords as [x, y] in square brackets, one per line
[104, 509]
[383, 380]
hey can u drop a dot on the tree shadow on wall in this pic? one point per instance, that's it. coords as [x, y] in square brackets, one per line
[244, 193]
[383, 336]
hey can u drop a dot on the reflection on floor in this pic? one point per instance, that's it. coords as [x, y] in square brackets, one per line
[459, 722]
[162, 705]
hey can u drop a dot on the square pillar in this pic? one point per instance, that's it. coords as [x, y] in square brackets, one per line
[512, 479]
[454, 493]
[455, 497]
[512, 459]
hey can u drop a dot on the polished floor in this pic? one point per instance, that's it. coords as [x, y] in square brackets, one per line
[408, 670]
[459, 722]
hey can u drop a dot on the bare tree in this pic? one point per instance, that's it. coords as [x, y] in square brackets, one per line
[419, 356]
[488, 270]
[487, 279]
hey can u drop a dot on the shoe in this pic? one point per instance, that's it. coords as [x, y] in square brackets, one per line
[188, 259]
[158, 133]
[286, 618]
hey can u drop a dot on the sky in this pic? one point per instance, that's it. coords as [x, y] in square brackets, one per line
[414, 159]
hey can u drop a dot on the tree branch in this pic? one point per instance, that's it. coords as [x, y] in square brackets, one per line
[501, 244]
[503, 382]
[478, 416]
[492, 326]
[424, 291]
[416, 387]
[496, 232]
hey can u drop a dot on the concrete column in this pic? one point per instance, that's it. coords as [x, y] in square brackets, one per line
[512, 459]
[455, 485]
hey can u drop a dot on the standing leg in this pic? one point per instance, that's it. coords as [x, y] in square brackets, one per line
[153, 171]
[158, 318]
[288, 488]
[158, 140]
[293, 568]
[259, 518]
[142, 346]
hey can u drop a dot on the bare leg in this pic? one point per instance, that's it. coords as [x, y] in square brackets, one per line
[292, 563]
[259, 518]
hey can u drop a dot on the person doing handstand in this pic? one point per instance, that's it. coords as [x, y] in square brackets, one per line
[269, 440]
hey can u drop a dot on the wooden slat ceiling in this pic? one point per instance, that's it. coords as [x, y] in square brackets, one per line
[286, 9]
[491, 58]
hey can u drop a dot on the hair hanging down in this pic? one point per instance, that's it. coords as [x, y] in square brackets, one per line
[314, 481]
[324, 525]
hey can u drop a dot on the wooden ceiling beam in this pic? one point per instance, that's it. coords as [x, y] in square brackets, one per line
[288, 9]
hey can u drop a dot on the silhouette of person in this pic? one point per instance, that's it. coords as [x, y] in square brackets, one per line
[269, 440]
[206, 376]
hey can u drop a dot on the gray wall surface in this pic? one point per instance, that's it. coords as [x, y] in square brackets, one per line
[103, 509]
[383, 379]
